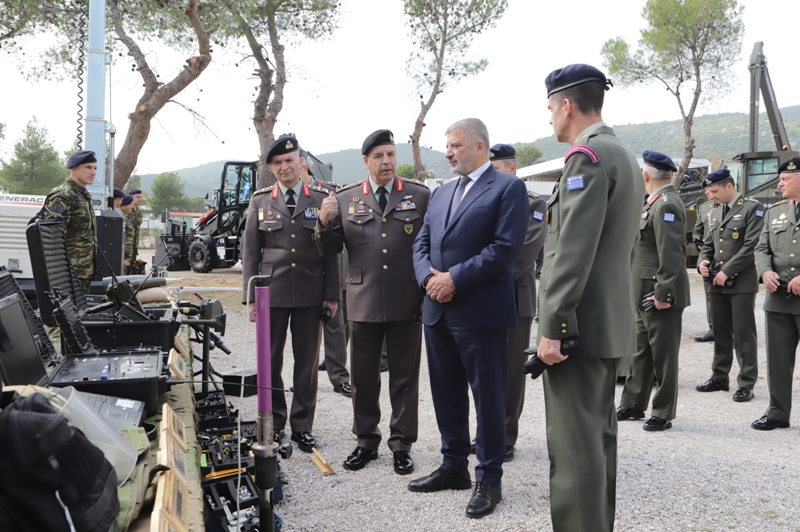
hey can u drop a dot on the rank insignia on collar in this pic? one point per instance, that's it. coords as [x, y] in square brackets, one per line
[740, 202]
[644, 215]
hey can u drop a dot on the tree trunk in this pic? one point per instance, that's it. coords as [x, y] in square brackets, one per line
[156, 94]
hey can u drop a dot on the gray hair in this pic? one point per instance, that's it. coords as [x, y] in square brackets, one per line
[475, 130]
[658, 173]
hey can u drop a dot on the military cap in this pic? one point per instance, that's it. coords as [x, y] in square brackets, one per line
[281, 146]
[658, 160]
[81, 157]
[377, 138]
[792, 165]
[572, 75]
[134, 191]
[127, 200]
[716, 177]
[498, 152]
[118, 193]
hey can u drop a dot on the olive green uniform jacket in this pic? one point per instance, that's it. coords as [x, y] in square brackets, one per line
[75, 202]
[778, 250]
[586, 291]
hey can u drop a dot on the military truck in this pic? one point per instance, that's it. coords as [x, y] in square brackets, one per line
[215, 240]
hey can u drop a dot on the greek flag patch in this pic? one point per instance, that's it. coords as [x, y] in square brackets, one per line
[760, 214]
[537, 215]
[575, 182]
[669, 217]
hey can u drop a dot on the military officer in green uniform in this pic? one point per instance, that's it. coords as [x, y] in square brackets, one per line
[727, 262]
[778, 264]
[71, 200]
[699, 235]
[660, 293]
[586, 292]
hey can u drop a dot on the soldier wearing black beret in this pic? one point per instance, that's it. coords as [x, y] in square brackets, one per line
[278, 241]
[378, 219]
[72, 201]
[661, 292]
[727, 263]
[778, 263]
[600, 189]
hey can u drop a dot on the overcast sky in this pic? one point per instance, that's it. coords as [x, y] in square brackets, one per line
[345, 87]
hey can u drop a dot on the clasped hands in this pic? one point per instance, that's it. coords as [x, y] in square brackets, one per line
[719, 278]
[440, 287]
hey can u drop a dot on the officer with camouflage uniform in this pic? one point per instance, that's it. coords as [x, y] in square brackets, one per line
[72, 201]
[136, 220]
[126, 211]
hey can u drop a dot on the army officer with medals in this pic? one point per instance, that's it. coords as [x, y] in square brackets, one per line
[278, 241]
[660, 293]
[778, 264]
[378, 219]
[727, 261]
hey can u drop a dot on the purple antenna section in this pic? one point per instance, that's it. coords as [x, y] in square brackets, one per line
[263, 357]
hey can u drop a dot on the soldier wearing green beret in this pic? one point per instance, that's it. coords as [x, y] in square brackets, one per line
[778, 264]
[72, 201]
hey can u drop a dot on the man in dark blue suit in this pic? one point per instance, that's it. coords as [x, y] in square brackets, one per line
[464, 260]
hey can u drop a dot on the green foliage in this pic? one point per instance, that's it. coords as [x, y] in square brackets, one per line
[407, 171]
[527, 154]
[166, 193]
[18, 18]
[35, 167]
[2, 131]
[441, 32]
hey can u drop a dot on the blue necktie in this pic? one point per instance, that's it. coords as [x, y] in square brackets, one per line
[462, 186]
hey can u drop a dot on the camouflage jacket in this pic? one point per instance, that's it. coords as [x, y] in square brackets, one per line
[74, 202]
[130, 232]
[135, 218]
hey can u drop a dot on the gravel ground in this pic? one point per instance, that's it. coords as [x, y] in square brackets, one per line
[711, 471]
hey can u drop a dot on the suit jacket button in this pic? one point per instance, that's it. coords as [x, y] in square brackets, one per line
[792, 255]
[796, 228]
[792, 269]
[292, 222]
[385, 251]
[564, 325]
[383, 235]
[654, 277]
[371, 210]
[563, 331]
[385, 267]
[408, 219]
[294, 250]
[359, 221]
[294, 265]
[384, 220]
[794, 241]
[721, 262]
[269, 229]
[293, 236]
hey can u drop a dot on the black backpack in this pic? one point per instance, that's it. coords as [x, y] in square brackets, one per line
[51, 475]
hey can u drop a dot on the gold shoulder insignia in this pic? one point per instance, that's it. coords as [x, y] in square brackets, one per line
[350, 185]
[415, 181]
[262, 190]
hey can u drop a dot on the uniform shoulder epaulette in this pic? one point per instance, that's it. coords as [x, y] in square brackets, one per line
[415, 181]
[319, 189]
[349, 186]
[532, 194]
[583, 148]
[262, 190]
[779, 203]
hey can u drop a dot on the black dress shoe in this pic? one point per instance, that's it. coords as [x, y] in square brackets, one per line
[472, 447]
[384, 367]
[656, 424]
[484, 499]
[359, 458]
[767, 423]
[707, 337]
[403, 464]
[441, 480]
[344, 389]
[743, 395]
[322, 367]
[305, 441]
[509, 453]
[712, 386]
[623, 413]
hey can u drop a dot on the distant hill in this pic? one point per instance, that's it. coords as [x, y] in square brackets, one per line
[723, 135]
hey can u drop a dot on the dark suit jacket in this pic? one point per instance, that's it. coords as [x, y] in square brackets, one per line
[478, 247]
[380, 278]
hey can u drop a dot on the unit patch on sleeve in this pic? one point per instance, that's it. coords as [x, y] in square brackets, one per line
[575, 182]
